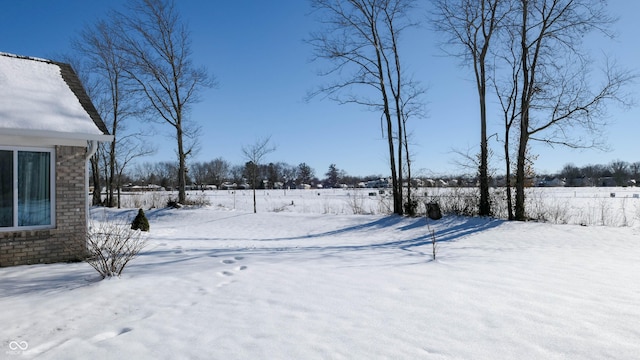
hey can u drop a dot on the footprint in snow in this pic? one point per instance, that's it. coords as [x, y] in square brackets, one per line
[229, 262]
[222, 284]
[110, 334]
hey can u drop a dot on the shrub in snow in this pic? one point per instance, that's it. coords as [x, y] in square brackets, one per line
[458, 201]
[173, 203]
[411, 207]
[111, 246]
[433, 211]
[199, 199]
[140, 222]
[356, 203]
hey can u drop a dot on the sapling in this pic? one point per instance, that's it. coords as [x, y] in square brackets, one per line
[434, 242]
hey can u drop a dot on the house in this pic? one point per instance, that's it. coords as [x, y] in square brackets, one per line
[48, 131]
[607, 181]
[551, 182]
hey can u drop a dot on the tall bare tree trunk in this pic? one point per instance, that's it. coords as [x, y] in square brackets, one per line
[112, 167]
[470, 26]
[397, 187]
[95, 173]
[508, 175]
[485, 205]
[524, 117]
[520, 213]
[182, 167]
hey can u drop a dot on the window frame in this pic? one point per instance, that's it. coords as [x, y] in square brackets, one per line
[52, 190]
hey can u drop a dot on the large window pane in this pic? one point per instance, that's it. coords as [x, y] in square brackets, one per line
[6, 188]
[34, 188]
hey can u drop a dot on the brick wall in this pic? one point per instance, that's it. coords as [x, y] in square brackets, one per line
[65, 241]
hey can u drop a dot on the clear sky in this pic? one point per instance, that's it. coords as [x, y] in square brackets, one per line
[256, 51]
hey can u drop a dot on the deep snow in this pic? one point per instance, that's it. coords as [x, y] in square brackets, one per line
[218, 283]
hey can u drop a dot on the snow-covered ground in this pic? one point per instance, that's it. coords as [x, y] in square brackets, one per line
[600, 206]
[220, 282]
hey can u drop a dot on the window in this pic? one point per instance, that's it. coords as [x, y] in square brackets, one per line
[26, 188]
[6, 188]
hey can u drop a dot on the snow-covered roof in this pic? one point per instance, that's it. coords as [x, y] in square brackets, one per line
[43, 98]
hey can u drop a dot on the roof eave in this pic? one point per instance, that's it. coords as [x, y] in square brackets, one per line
[57, 135]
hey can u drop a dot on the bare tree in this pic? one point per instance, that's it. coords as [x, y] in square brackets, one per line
[236, 174]
[634, 168]
[591, 174]
[218, 169]
[198, 172]
[288, 173]
[361, 40]
[557, 94]
[470, 26]
[620, 171]
[144, 172]
[507, 92]
[96, 196]
[211, 172]
[158, 53]
[130, 147]
[162, 173]
[255, 153]
[411, 107]
[570, 173]
[111, 91]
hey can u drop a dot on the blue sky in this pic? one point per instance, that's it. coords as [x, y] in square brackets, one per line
[256, 51]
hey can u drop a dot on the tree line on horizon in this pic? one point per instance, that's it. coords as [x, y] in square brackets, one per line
[219, 171]
[526, 55]
[273, 174]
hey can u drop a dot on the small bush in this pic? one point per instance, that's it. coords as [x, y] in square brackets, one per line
[356, 204]
[384, 205]
[140, 222]
[459, 201]
[173, 203]
[200, 199]
[411, 208]
[111, 246]
[433, 211]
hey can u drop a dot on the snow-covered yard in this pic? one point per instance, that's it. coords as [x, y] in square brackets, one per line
[219, 283]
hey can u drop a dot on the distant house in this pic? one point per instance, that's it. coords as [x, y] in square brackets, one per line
[48, 130]
[607, 182]
[378, 183]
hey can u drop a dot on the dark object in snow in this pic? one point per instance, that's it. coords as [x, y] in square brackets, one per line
[174, 204]
[140, 222]
[433, 211]
[411, 207]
